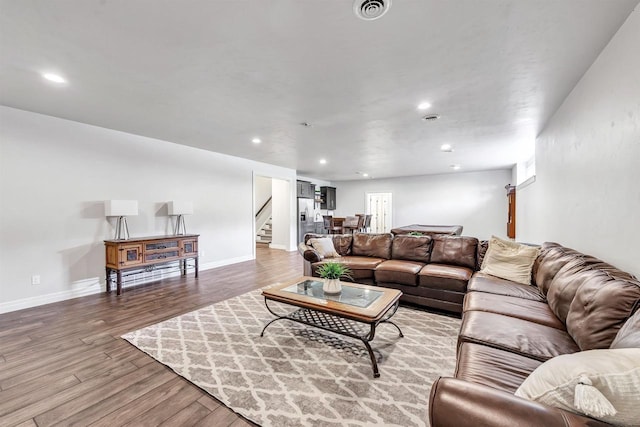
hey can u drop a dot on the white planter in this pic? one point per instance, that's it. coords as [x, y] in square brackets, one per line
[332, 286]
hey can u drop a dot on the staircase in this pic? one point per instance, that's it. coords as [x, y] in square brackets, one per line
[263, 235]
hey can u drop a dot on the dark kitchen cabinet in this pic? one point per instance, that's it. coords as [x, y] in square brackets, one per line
[328, 195]
[305, 190]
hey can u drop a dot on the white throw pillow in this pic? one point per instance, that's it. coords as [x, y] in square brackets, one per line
[509, 260]
[324, 246]
[603, 384]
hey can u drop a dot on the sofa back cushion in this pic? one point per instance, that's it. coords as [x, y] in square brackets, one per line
[551, 259]
[455, 250]
[411, 248]
[373, 245]
[602, 305]
[342, 243]
[566, 283]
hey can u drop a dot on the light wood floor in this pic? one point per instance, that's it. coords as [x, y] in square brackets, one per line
[65, 363]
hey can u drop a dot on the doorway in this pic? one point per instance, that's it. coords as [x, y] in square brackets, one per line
[380, 208]
[272, 212]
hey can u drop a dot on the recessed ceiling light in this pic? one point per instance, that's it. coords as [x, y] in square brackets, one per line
[256, 140]
[306, 124]
[54, 78]
[424, 106]
[323, 161]
[431, 117]
[455, 167]
[447, 148]
[365, 174]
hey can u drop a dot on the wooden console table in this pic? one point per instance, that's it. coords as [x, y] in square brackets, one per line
[148, 253]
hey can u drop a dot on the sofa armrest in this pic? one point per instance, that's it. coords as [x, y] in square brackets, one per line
[308, 253]
[458, 403]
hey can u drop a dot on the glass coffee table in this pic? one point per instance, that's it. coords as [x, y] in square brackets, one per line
[355, 312]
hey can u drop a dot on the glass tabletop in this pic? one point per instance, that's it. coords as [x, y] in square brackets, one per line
[350, 295]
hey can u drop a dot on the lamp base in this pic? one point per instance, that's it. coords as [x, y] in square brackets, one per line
[122, 229]
[180, 227]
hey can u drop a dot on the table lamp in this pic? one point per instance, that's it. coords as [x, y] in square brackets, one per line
[179, 209]
[120, 209]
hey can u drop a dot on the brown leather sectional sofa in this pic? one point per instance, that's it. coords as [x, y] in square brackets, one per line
[576, 303]
[431, 271]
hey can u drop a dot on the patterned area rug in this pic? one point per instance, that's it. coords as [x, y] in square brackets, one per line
[300, 376]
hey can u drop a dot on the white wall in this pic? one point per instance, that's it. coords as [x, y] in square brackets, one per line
[281, 214]
[55, 175]
[475, 200]
[262, 191]
[587, 189]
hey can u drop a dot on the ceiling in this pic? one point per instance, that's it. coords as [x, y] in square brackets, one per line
[214, 74]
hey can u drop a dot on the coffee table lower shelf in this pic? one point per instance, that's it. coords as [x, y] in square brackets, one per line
[364, 332]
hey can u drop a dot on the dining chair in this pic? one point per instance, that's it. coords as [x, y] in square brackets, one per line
[366, 227]
[350, 224]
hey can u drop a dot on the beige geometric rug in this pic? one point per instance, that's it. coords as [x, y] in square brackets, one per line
[301, 376]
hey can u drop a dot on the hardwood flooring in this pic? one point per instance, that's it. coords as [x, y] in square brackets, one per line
[65, 363]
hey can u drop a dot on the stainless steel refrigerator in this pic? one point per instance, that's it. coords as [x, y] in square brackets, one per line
[305, 218]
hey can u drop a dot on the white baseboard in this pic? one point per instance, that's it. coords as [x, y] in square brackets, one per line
[229, 261]
[78, 289]
[93, 285]
[277, 246]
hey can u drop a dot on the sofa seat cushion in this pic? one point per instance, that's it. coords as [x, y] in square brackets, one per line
[520, 336]
[493, 285]
[446, 277]
[397, 271]
[533, 311]
[493, 367]
[362, 267]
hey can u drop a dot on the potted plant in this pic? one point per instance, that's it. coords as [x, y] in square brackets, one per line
[331, 272]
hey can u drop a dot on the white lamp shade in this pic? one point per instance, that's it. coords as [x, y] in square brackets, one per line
[177, 207]
[120, 207]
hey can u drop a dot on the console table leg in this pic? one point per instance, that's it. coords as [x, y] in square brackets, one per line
[108, 282]
[196, 263]
[119, 282]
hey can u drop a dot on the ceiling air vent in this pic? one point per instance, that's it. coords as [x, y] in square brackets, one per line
[431, 117]
[371, 9]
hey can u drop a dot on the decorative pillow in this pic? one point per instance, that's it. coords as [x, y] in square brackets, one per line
[509, 260]
[325, 247]
[602, 384]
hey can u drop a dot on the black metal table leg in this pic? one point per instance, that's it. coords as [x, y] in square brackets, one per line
[302, 315]
[374, 362]
[397, 327]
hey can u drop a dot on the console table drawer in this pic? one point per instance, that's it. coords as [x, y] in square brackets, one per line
[161, 245]
[164, 256]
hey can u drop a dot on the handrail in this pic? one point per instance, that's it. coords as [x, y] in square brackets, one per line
[264, 206]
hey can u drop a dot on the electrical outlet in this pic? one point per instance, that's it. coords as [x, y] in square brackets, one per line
[200, 253]
[35, 279]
